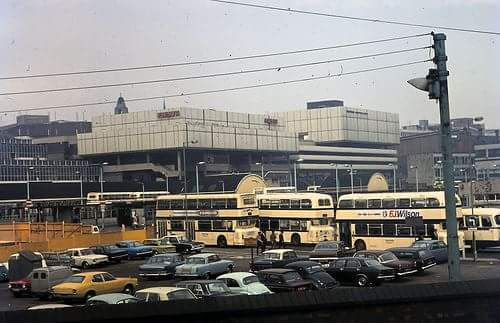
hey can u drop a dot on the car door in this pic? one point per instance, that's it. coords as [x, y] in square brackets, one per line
[443, 251]
[352, 269]
[336, 269]
[98, 284]
[234, 285]
[113, 285]
[217, 265]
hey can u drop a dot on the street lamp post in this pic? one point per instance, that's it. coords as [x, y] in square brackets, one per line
[295, 171]
[101, 180]
[393, 176]
[352, 177]
[261, 169]
[416, 174]
[81, 193]
[184, 146]
[197, 179]
[28, 191]
[336, 179]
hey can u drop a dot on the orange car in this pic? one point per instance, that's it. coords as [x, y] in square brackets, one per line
[83, 286]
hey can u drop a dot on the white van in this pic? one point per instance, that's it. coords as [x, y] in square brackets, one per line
[43, 279]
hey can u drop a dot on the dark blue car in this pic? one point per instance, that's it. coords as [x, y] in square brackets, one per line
[135, 249]
[161, 265]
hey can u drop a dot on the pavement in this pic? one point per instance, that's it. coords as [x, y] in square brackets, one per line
[487, 267]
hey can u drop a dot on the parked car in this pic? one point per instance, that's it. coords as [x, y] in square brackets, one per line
[311, 270]
[182, 245]
[275, 258]
[135, 249]
[359, 271]
[161, 265]
[244, 283]
[160, 245]
[57, 258]
[325, 251]
[283, 280]
[113, 253]
[388, 259]
[204, 265]
[437, 248]
[83, 286]
[159, 294]
[48, 306]
[85, 258]
[206, 288]
[4, 273]
[20, 287]
[423, 259]
[112, 298]
[43, 279]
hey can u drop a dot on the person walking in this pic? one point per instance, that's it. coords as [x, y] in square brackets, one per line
[273, 239]
[259, 242]
[264, 242]
[281, 240]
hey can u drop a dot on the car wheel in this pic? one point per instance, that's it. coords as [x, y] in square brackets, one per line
[85, 265]
[295, 239]
[360, 245]
[362, 281]
[89, 295]
[230, 268]
[129, 289]
[221, 242]
[206, 276]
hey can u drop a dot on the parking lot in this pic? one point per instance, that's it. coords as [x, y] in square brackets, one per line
[241, 258]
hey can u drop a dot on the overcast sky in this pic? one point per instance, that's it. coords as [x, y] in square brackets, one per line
[61, 36]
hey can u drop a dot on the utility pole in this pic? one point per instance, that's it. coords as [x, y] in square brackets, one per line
[436, 84]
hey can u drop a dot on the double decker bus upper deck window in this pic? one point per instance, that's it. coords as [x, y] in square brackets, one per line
[345, 204]
[388, 203]
[432, 202]
[374, 203]
[404, 202]
[294, 204]
[205, 204]
[284, 204]
[248, 200]
[177, 204]
[305, 204]
[360, 204]
[417, 202]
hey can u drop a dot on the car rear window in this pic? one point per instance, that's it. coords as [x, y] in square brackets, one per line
[404, 255]
[77, 279]
[292, 276]
[332, 246]
[250, 280]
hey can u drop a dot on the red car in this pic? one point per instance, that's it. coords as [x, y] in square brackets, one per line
[20, 287]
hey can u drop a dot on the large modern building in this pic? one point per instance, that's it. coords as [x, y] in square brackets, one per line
[150, 145]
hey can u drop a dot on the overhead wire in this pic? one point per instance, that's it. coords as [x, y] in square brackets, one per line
[216, 60]
[278, 68]
[307, 79]
[383, 21]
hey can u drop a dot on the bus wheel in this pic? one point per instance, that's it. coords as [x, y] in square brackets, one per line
[360, 245]
[295, 239]
[221, 242]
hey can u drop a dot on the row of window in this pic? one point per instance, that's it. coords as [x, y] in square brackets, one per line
[389, 229]
[286, 204]
[389, 203]
[203, 204]
[264, 224]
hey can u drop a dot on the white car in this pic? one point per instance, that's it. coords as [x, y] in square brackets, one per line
[160, 294]
[85, 258]
[244, 283]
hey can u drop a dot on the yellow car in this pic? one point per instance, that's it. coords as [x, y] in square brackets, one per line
[83, 286]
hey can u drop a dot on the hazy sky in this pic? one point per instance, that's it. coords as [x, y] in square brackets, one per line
[60, 36]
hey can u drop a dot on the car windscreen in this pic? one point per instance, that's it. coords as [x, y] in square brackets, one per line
[330, 246]
[292, 276]
[250, 280]
[77, 279]
[141, 296]
[195, 260]
[158, 260]
[419, 244]
[218, 287]
[110, 248]
[137, 244]
[497, 219]
[314, 269]
[388, 257]
[271, 255]
[86, 252]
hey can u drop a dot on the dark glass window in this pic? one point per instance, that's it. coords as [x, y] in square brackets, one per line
[403, 202]
[389, 229]
[388, 203]
[205, 225]
[345, 204]
[374, 204]
[361, 228]
[177, 225]
[360, 204]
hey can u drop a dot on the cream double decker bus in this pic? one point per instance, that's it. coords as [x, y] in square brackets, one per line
[302, 217]
[484, 224]
[385, 220]
[214, 219]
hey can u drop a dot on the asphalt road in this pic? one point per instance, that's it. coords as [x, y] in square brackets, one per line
[241, 257]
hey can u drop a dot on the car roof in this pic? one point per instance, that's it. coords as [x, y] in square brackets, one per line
[90, 273]
[114, 297]
[52, 268]
[404, 249]
[237, 275]
[278, 250]
[377, 252]
[166, 254]
[126, 241]
[160, 289]
[427, 241]
[202, 255]
[302, 263]
[276, 270]
[199, 281]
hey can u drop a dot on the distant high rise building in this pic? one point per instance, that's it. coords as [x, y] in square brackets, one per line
[121, 108]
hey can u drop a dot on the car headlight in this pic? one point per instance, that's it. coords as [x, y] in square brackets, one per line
[23, 286]
[74, 291]
[10, 286]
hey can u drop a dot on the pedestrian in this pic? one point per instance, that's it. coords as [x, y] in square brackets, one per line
[281, 240]
[259, 241]
[273, 240]
[264, 242]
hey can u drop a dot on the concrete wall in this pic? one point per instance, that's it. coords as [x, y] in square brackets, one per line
[471, 301]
